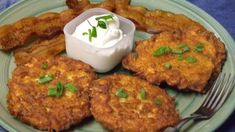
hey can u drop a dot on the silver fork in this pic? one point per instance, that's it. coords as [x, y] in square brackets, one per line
[214, 100]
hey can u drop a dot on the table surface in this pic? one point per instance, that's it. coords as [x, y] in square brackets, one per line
[222, 10]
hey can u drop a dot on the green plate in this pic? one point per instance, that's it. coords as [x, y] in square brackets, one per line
[187, 103]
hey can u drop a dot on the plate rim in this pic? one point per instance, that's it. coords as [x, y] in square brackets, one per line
[198, 11]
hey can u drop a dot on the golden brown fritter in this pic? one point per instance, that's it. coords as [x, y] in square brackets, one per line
[125, 103]
[189, 70]
[40, 49]
[28, 100]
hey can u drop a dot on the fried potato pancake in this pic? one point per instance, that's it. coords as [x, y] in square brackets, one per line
[128, 104]
[40, 49]
[189, 70]
[28, 100]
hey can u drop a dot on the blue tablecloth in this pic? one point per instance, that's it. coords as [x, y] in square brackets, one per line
[221, 10]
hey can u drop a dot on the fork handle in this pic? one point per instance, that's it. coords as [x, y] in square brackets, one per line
[182, 123]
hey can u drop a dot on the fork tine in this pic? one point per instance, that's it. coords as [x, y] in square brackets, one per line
[227, 92]
[223, 88]
[217, 91]
[216, 97]
[212, 90]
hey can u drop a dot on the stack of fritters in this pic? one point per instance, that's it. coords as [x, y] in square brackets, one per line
[182, 53]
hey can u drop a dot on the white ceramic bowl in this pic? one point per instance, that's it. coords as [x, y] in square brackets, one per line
[101, 59]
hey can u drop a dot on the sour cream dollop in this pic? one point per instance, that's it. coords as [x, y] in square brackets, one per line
[101, 31]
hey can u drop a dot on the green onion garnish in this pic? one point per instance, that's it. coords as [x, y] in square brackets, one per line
[160, 51]
[199, 47]
[104, 17]
[84, 33]
[191, 59]
[168, 65]
[71, 87]
[44, 66]
[45, 79]
[58, 91]
[60, 88]
[93, 32]
[121, 93]
[142, 94]
[102, 24]
[52, 92]
[90, 37]
[177, 51]
[180, 57]
[184, 47]
[157, 101]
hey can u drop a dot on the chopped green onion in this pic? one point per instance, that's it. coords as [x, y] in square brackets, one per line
[60, 88]
[168, 65]
[121, 93]
[199, 47]
[58, 91]
[142, 94]
[44, 66]
[184, 47]
[93, 32]
[45, 79]
[157, 101]
[102, 24]
[180, 57]
[191, 59]
[104, 17]
[52, 92]
[90, 37]
[84, 33]
[177, 51]
[71, 87]
[160, 51]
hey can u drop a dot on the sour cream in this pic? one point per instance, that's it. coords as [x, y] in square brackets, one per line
[107, 31]
[113, 39]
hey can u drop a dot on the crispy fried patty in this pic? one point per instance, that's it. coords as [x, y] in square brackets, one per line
[203, 58]
[117, 104]
[29, 101]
